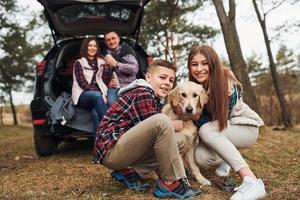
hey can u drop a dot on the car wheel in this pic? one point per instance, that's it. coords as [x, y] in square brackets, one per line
[45, 145]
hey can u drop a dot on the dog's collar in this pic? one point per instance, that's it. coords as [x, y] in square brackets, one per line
[185, 117]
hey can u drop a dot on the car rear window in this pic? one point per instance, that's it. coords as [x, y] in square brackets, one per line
[93, 12]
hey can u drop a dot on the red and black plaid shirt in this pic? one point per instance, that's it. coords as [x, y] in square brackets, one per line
[133, 107]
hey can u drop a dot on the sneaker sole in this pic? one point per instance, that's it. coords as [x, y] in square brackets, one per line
[119, 177]
[158, 193]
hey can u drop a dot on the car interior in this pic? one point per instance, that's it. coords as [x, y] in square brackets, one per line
[64, 67]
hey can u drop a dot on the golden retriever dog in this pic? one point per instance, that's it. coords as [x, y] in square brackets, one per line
[191, 97]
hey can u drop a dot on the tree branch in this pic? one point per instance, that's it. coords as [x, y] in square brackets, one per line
[276, 6]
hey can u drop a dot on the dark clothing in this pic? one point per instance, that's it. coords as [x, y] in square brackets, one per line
[107, 75]
[127, 67]
[206, 115]
[118, 55]
[204, 118]
[93, 100]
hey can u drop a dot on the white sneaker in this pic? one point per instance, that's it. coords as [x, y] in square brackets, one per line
[223, 170]
[251, 189]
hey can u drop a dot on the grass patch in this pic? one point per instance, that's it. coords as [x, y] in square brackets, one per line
[71, 175]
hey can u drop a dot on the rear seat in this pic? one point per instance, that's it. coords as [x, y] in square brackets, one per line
[68, 69]
[64, 77]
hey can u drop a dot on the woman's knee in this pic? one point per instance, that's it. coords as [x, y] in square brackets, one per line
[98, 98]
[206, 134]
[97, 95]
[253, 135]
[202, 158]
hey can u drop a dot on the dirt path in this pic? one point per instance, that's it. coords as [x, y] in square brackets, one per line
[71, 175]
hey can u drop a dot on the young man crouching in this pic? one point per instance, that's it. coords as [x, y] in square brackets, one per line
[134, 138]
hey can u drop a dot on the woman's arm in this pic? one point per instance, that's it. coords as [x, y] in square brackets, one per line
[82, 82]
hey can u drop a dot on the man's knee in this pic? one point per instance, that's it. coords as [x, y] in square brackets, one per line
[181, 140]
[162, 120]
[162, 123]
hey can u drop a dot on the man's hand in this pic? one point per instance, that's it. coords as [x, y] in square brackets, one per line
[177, 109]
[110, 60]
[113, 83]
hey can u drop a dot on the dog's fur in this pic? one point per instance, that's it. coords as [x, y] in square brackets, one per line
[191, 97]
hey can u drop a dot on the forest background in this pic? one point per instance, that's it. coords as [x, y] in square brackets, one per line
[258, 39]
[268, 71]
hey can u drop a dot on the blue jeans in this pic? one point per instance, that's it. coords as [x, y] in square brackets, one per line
[93, 100]
[112, 95]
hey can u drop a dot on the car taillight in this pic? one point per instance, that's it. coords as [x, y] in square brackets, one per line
[40, 68]
[149, 60]
[38, 121]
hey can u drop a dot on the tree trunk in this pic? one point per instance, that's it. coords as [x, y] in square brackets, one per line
[1, 115]
[279, 92]
[174, 52]
[167, 45]
[13, 109]
[234, 51]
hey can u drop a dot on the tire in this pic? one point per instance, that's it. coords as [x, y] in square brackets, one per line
[45, 145]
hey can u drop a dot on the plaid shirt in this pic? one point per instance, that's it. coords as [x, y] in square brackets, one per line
[83, 83]
[107, 75]
[133, 107]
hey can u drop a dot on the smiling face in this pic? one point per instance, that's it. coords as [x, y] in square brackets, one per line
[112, 40]
[92, 49]
[161, 79]
[199, 68]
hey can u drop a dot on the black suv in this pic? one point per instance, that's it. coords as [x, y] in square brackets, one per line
[70, 21]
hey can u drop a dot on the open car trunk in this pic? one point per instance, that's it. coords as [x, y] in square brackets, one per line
[71, 18]
[62, 79]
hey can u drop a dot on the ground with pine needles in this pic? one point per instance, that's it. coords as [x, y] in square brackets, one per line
[70, 174]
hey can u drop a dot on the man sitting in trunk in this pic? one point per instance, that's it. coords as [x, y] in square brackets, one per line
[121, 59]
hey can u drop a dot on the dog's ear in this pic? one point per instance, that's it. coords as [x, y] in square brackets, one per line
[173, 96]
[203, 98]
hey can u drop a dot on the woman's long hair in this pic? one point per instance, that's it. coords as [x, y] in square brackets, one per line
[84, 47]
[217, 84]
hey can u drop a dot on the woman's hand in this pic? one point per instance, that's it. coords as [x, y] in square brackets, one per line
[196, 116]
[178, 125]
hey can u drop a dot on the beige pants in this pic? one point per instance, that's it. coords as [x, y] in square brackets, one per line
[216, 147]
[149, 145]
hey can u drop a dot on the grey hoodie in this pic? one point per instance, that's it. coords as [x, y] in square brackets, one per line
[134, 84]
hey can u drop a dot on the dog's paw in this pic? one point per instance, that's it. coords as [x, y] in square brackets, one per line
[203, 181]
[150, 175]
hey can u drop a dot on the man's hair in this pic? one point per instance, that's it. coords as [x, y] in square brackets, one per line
[112, 31]
[160, 63]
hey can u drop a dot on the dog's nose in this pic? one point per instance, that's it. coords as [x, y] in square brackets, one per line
[189, 110]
